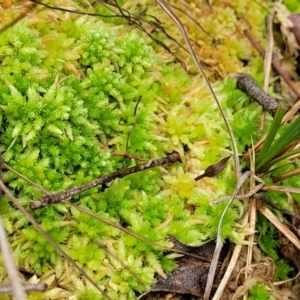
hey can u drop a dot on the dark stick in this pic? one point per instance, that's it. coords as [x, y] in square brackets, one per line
[248, 85]
[50, 199]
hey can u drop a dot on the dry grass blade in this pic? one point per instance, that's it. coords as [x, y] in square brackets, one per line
[232, 264]
[16, 285]
[279, 225]
[281, 189]
[249, 194]
[286, 175]
[288, 280]
[252, 219]
[215, 259]
[268, 54]
[48, 238]
[266, 200]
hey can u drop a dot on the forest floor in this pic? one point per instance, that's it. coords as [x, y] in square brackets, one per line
[149, 149]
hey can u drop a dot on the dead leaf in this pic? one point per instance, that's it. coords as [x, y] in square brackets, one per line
[191, 275]
[286, 27]
[213, 170]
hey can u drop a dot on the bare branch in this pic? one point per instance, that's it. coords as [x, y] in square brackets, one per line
[276, 66]
[54, 198]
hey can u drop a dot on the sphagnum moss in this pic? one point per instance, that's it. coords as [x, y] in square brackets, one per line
[69, 86]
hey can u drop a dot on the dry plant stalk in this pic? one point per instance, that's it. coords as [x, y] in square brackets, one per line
[215, 259]
[251, 220]
[48, 238]
[16, 285]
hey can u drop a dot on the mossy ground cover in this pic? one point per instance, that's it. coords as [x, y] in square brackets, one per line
[70, 85]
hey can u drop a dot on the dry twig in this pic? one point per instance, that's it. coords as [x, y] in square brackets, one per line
[54, 198]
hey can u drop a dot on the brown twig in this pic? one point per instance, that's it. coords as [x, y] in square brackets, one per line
[286, 175]
[54, 198]
[275, 65]
[293, 110]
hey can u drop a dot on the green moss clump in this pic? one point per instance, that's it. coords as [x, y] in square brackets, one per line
[69, 89]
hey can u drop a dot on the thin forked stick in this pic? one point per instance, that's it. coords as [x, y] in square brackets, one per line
[17, 288]
[48, 238]
[172, 15]
[214, 263]
[54, 198]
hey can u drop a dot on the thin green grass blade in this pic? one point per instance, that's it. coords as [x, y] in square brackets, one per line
[289, 136]
[278, 159]
[271, 135]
